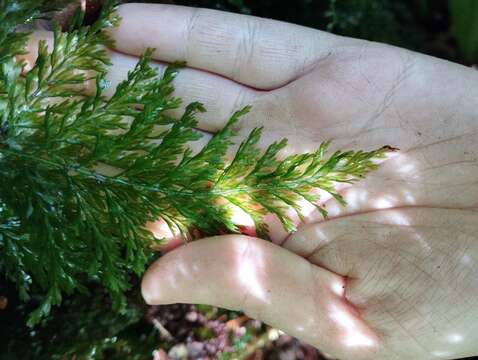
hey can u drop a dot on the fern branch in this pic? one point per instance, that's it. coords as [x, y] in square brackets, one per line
[66, 222]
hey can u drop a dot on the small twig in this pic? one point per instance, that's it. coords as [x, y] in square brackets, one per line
[162, 330]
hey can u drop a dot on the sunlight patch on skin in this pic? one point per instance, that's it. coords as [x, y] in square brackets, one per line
[309, 211]
[173, 277]
[403, 164]
[307, 207]
[363, 195]
[422, 242]
[342, 318]
[397, 218]
[248, 272]
[353, 200]
[338, 288]
[455, 338]
[407, 168]
[277, 232]
[357, 339]
[409, 198]
[353, 336]
[183, 270]
[466, 259]
[384, 203]
[248, 276]
[240, 217]
[306, 242]
[441, 354]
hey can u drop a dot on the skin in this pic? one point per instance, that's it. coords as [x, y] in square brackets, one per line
[394, 275]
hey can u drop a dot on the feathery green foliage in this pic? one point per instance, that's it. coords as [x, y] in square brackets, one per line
[80, 173]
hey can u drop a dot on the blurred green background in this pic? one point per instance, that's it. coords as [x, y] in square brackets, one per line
[84, 327]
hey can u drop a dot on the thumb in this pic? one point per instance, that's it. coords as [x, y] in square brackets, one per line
[268, 283]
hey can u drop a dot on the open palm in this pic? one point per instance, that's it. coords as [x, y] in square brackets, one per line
[393, 274]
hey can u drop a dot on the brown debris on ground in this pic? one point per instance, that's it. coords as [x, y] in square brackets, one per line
[204, 333]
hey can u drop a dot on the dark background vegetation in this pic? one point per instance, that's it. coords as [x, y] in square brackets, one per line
[84, 327]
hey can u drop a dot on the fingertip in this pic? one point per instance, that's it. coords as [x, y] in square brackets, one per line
[148, 290]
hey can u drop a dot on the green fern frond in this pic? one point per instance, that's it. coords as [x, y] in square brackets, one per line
[65, 221]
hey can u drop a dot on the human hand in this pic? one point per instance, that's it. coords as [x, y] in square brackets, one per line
[404, 248]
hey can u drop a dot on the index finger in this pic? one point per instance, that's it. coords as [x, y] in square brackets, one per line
[260, 53]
